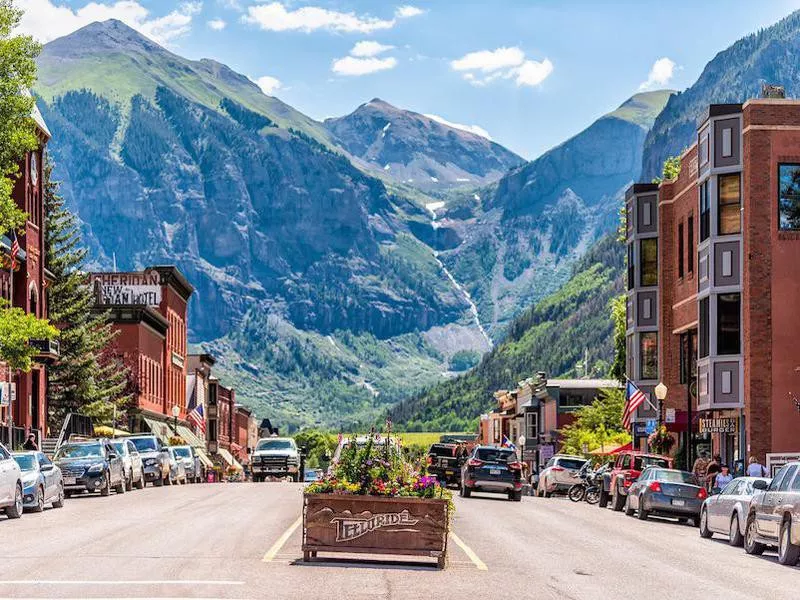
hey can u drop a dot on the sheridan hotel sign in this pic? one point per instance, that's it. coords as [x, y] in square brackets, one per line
[127, 288]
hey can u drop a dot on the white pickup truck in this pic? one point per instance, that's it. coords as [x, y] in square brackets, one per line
[275, 457]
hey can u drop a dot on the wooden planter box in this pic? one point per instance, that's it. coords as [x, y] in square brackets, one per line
[375, 525]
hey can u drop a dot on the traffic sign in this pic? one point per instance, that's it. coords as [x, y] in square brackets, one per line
[650, 426]
[669, 415]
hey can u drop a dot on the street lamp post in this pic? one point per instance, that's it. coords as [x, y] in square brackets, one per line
[176, 410]
[661, 395]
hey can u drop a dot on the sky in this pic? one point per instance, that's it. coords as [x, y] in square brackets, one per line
[527, 73]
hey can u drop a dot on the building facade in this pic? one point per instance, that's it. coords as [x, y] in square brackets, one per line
[718, 321]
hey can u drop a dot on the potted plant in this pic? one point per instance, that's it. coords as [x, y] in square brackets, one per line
[373, 501]
[661, 441]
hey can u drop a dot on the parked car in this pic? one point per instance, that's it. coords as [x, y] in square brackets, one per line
[131, 463]
[445, 462]
[275, 457]
[666, 493]
[10, 485]
[311, 475]
[155, 458]
[90, 466]
[773, 518]
[492, 469]
[726, 512]
[177, 470]
[559, 474]
[42, 482]
[191, 463]
[627, 468]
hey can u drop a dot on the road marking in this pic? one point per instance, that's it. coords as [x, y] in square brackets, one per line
[479, 564]
[276, 547]
[119, 582]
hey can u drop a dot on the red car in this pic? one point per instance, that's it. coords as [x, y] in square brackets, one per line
[627, 468]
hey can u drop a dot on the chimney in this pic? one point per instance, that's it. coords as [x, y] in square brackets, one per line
[772, 91]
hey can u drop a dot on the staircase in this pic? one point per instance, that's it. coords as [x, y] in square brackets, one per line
[49, 446]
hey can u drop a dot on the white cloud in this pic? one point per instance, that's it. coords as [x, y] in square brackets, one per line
[369, 48]
[269, 85]
[476, 129]
[231, 4]
[406, 11]
[351, 65]
[217, 24]
[660, 74]
[276, 17]
[46, 21]
[485, 66]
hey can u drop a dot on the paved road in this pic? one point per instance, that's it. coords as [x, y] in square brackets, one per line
[240, 541]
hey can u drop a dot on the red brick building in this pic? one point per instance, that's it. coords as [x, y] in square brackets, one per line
[149, 311]
[29, 411]
[712, 301]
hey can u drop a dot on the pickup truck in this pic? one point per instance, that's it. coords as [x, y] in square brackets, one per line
[445, 462]
[627, 468]
[276, 457]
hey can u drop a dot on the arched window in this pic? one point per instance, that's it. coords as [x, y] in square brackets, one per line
[33, 294]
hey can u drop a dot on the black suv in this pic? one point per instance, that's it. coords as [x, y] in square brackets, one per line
[90, 466]
[445, 462]
[492, 469]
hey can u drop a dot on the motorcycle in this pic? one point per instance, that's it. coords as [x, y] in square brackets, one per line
[589, 487]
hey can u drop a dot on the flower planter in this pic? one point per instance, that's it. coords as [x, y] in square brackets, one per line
[375, 525]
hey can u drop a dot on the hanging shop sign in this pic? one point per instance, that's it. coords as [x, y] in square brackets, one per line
[721, 425]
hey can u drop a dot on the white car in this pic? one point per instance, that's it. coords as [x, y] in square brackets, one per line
[559, 474]
[10, 485]
[131, 463]
[726, 512]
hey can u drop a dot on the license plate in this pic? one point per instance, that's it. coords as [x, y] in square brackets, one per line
[450, 472]
[494, 471]
[679, 503]
[70, 480]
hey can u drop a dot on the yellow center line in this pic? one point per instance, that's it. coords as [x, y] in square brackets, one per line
[479, 564]
[276, 547]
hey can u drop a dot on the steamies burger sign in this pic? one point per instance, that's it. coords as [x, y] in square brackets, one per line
[113, 289]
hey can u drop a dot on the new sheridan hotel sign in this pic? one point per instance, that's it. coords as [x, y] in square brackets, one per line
[127, 288]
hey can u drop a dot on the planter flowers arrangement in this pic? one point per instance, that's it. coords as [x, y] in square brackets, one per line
[373, 501]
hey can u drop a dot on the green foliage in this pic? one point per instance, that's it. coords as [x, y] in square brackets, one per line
[88, 376]
[17, 328]
[246, 118]
[596, 425]
[670, 170]
[619, 318]
[318, 446]
[464, 360]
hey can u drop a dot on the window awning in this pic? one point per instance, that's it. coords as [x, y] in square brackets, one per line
[228, 458]
[207, 462]
[159, 429]
[190, 437]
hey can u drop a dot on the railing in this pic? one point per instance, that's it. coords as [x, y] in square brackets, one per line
[46, 348]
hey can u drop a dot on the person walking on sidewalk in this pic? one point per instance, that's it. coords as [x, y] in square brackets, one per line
[714, 467]
[755, 468]
[723, 478]
[700, 467]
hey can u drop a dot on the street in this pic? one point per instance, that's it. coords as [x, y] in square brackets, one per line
[243, 541]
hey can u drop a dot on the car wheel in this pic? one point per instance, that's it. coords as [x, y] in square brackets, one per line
[465, 491]
[517, 496]
[158, 482]
[641, 512]
[603, 502]
[39, 500]
[705, 532]
[140, 484]
[120, 487]
[59, 501]
[168, 480]
[751, 546]
[617, 501]
[15, 510]
[735, 537]
[788, 553]
[129, 481]
[628, 508]
[106, 489]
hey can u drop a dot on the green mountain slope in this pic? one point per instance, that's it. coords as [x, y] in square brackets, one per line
[552, 336]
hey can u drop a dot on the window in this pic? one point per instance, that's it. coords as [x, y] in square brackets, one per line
[648, 261]
[704, 328]
[703, 152]
[787, 478]
[727, 146]
[729, 204]
[690, 245]
[648, 355]
[680, 250]
[688, 356]
[789, 197]
[795, 487]
[569, 402]
[705, 212]
[626, 461]
[647, 218]
[630, 267]
[728, 323]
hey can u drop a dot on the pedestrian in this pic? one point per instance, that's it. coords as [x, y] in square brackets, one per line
[723, 478]
[713, 468]
[700, 466]
[30, 443]
[755, 468]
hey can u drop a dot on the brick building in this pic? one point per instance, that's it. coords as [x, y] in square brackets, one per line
[712, 309]
[29, 411]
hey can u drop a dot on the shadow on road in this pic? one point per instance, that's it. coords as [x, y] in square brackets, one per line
[366, 563]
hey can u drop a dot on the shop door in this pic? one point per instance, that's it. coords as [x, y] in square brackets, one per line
[35, 401]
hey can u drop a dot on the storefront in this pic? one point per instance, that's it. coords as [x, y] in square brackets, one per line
[719, 434]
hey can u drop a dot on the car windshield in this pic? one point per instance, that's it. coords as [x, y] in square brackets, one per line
[443, 450]
[183, 452]
[640, 463]
[26, 462]
[275, 445]
[80, 451]
[145, 444]
[494, 454]
[121, 448]
[675, 477]
[571, 463]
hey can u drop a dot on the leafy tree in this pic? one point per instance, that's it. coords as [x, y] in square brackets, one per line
[596, 425]
[464, 360]
[670, 170]
[319, 447]
[619, 317]
[16, 329]
[88, 377]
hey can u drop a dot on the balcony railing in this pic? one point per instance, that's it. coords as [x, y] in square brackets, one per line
[46, 349]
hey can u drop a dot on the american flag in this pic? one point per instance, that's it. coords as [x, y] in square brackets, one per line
[195, 414]
[14, 250]
[634, 398]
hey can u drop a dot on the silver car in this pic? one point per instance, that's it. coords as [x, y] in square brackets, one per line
[559, 474]
[42, 482]
[191, 463]
[726, 512]
[131, 464]
[666, 493]
[774, 516]
[177, 472]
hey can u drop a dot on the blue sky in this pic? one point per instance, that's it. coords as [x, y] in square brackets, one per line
[529, 72]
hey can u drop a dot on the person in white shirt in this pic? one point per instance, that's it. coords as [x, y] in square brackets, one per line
[755, 468]
[723, 478]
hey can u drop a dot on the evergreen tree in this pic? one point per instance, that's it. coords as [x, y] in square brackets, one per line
[90, 376]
